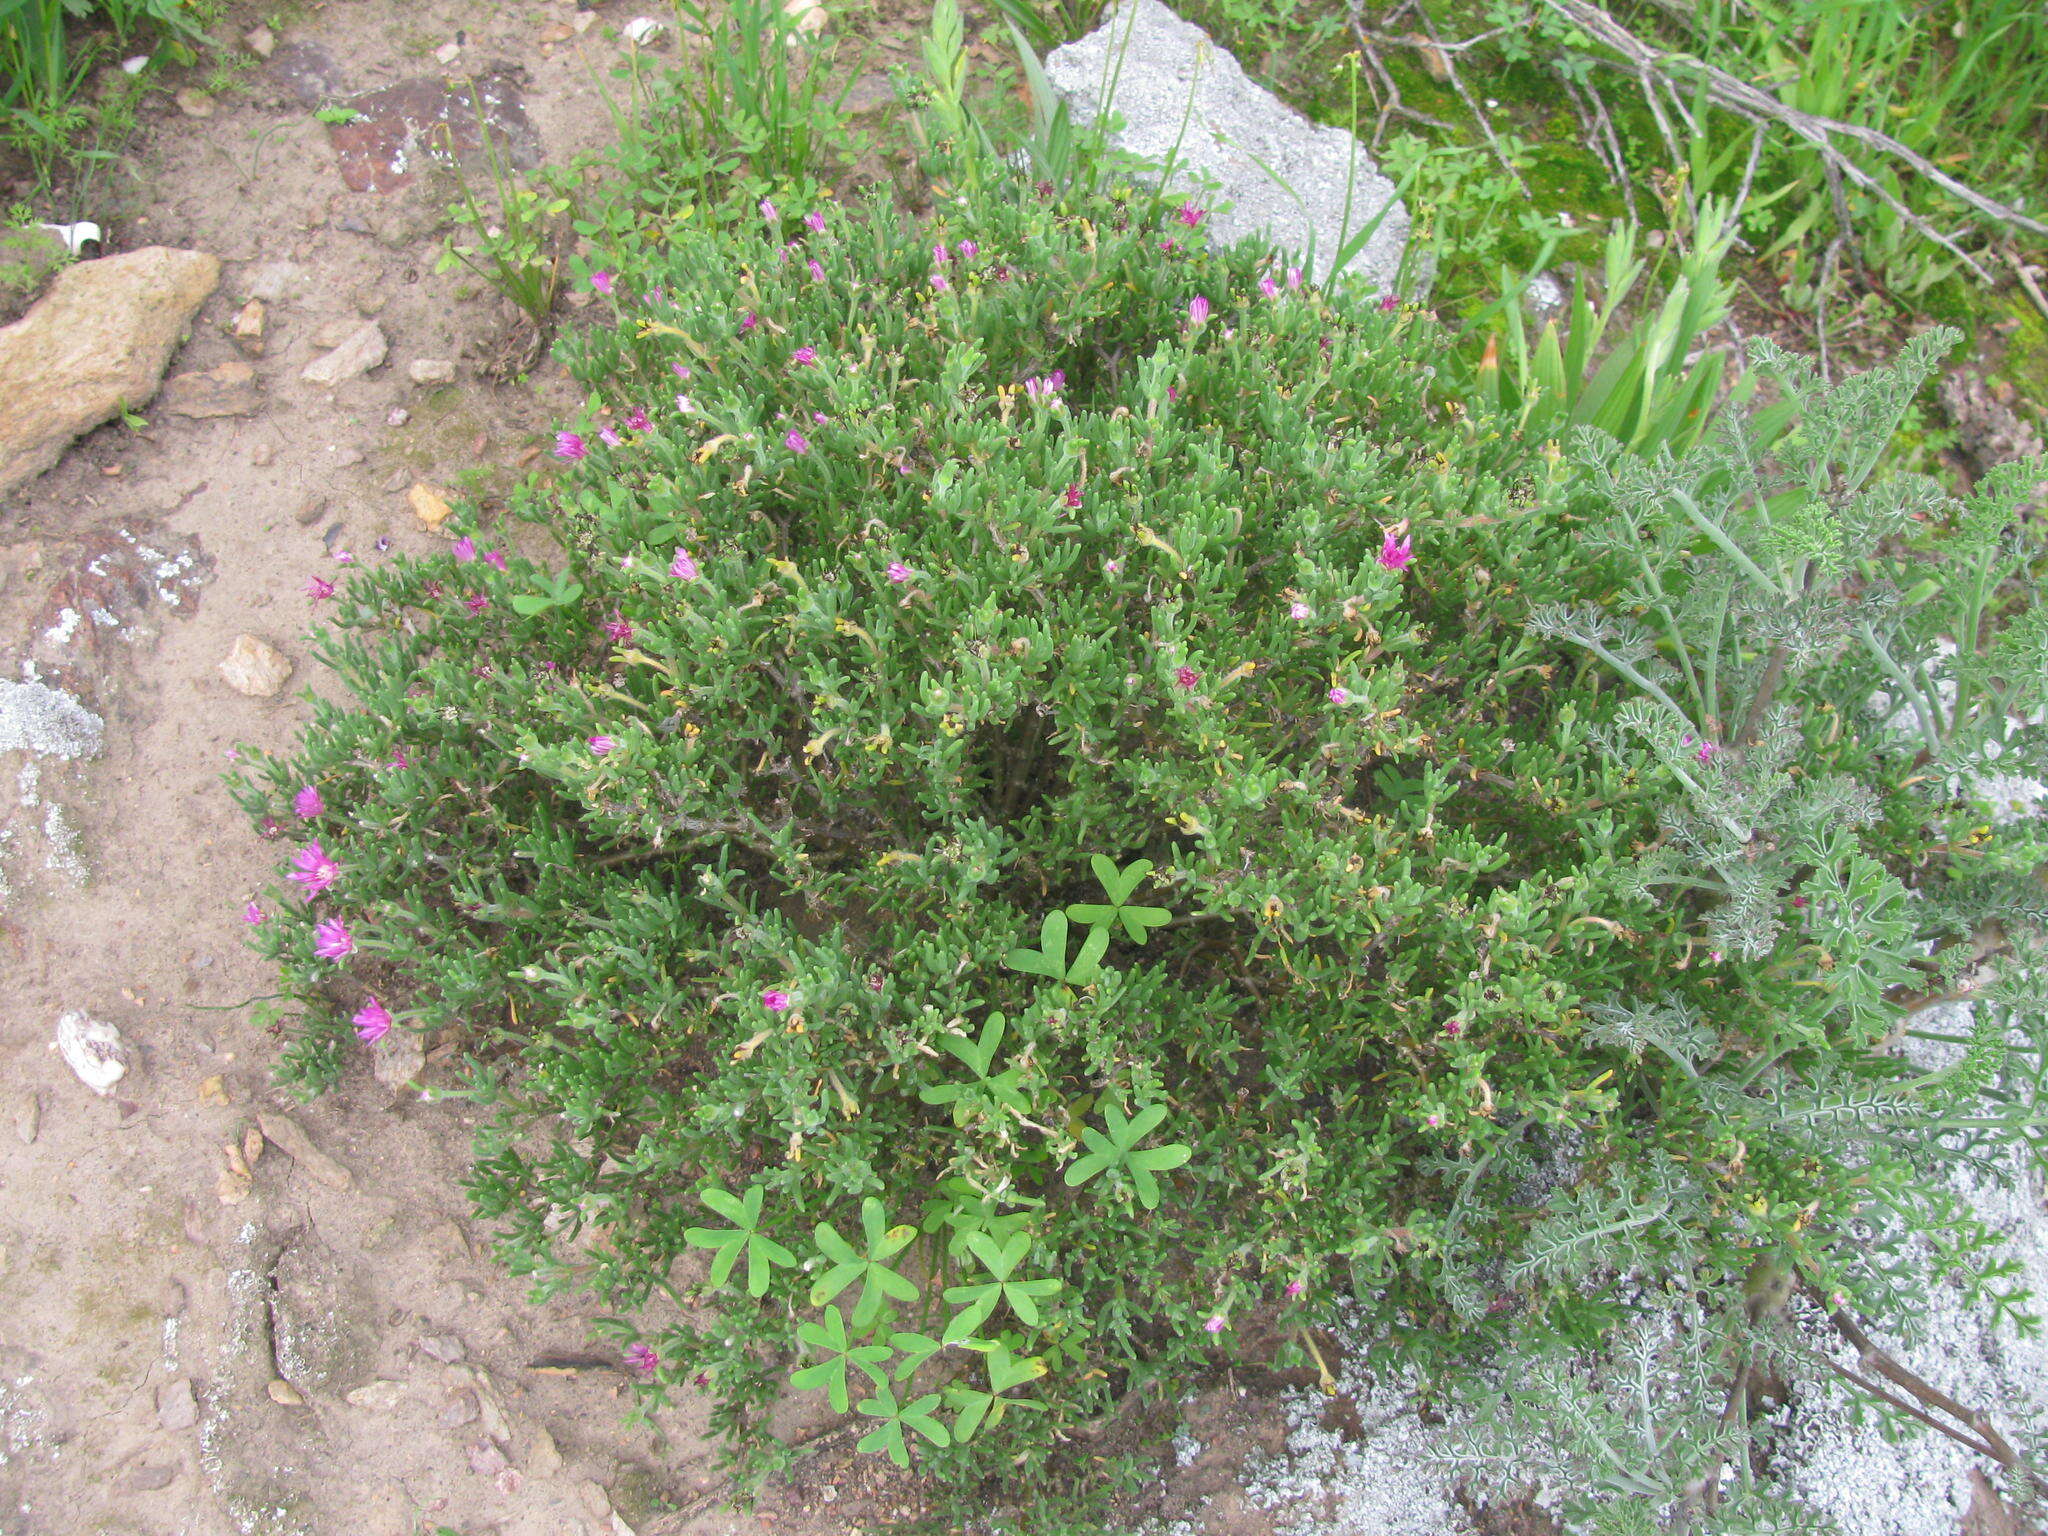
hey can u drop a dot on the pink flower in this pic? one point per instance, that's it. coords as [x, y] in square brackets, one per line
[817, 270]
[372, 1021]
[319, 588]
[1454, 1027]
[342, 557]
[399, 759]
[1187, 677]
[1074, 494]
[464, 549]
[820, 417]
[1432, 1121]
[804, 356]
[1295, 1288]
[312, 870]
[1268, 287]
[1299, 611]
[636, 420]
[749, 320]
[642, 1359]
[775, 1000]
[1216, 1324]
[939, 283]
[969, 250]
[601, 281]
[1798, 902]
[307, 804]
[1396, 555]
[1294, 277]
[683, 568]
[495, 559]
[939, 255]
[1714, 955]
[768, 211]
[796, 442]
[898, 572]
[1169, 246]
[476, 602]
[253, 914]
[1389, 302]
[608, 437]
[269, 826]
[1706, 751]
[680, 370]
[815, 222]
[569, 446]
[1340, 696]
[600, 745]
[685, 404]
[332, 940]
[1198, 310]
[616, 629]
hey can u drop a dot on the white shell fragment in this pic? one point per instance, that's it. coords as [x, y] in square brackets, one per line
[94, 1050]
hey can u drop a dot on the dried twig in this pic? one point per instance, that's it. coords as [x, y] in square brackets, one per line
[1601, 139]
[1748, 101]
[1458, 84]
[1391, 102]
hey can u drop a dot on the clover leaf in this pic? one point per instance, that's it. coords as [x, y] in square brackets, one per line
[979, 1057]
[978, 1301]
[1119, 885]
[1119, 1149]
[1050, 958]
[888, 1435]
[830, 1337]
[744, 1236]
[869, 1266]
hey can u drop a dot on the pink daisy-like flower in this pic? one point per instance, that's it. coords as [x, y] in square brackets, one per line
[898, 572]
[601, 281]
[399, 759]
[768, 211]
[1454, 1027]
[1432, 1121]
[1798, 902]
[332, 940]
[1295, 1288]
[312, 870]
[1168, 247]
[495, 559]
[685, 404]
[319, 588]
[1389, 302]
[1187, 677]
[1073, 496]
[939, 255]
[431, 590]
[617, 629]
[269, 826]
[307, 804]
[796, 442]
[600, 745]
[372, 1021]
[1706, 751]
[1340, 696]
[1294, 277]
[1216, 1324]
[1268, 287]
[342, 557]
[749, 320]
[683, 568]
[817, 269]
[1190, 215]
[814, 221]
[476, 602]
[570, 446]
[775, 1000]
[636, 420]
[680, 370]
[608, 437]
[1300, 612]
[1198, 310]
[463, 549]
[968, 250]
[939, 283]
[253, 914]
[1395, 555]
[642, 1360]
[803, 357]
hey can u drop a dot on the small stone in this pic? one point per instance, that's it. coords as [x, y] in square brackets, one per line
[226, 390]
[584, 21]
[397, 1059]
[596, 1502]
[381, 1395]
[261, 455]
[149, 1478]
[252, 1146]
[258, 670]
[370, 300]
[232, 1185]
[249, 321]
[214, 1089]
[275, 281]
[495, 1424]
[485, 1459]
[335, 332]
[284, 1394]
[399, 417]
[557, 33]
[448, 53]
[431, 370]
[445, 1348]
[364, 349]
[289, 1139]
[461, 1410]
[428, 504]
[176, 1408]
[543, 1456]
[28, 1117]
[94, 1050]
[309, 511]
[260, 40]
[194, 103]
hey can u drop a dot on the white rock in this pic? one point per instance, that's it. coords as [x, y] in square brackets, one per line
[363, 350]
[640, 30]
[431, 370]
[448, 53]
[255, 667]
[94, 1050]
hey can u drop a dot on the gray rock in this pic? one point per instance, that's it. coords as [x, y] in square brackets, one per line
[47, 721]
[1150, 60]
[321, 1332]
[275, 281]
[226, 390]
[363, 350]
[431, 370]
[176, 1408]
